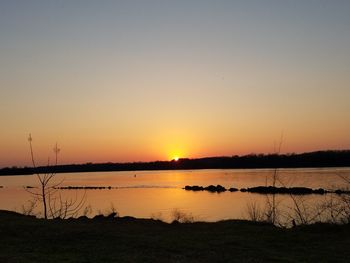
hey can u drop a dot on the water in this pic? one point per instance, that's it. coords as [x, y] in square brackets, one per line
[146, 194]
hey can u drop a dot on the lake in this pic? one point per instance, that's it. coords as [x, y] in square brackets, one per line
[147, 194]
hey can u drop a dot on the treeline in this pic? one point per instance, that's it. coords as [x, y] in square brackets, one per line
[339, 158]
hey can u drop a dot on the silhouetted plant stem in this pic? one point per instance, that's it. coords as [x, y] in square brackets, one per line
[53, 206]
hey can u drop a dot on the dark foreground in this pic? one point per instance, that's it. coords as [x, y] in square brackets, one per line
[25, 239]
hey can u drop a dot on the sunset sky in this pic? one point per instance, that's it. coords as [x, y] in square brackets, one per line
[151, 80]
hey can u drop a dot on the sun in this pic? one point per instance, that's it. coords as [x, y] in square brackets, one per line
[175, 155]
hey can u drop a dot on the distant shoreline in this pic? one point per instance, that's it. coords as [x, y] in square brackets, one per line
[319, 159]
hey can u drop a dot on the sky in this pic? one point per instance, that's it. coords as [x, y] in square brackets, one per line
[122, 81]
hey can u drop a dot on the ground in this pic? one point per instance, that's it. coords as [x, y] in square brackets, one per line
[27, 239]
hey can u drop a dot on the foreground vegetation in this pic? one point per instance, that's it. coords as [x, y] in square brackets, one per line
[27, 239]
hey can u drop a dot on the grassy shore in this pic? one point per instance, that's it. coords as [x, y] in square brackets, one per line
[27, 239]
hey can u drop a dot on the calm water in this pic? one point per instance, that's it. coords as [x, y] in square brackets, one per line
[146, 194]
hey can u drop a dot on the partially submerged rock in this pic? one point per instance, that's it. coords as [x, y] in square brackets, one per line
[279, 190]
[266, 190]
[284, 190]
[85, 187]
[339, 192]
[194, 188]
[211, 188]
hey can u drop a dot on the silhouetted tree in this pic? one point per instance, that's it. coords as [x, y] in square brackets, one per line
[54, 206]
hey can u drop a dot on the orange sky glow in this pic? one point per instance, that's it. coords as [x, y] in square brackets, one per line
[124, 82]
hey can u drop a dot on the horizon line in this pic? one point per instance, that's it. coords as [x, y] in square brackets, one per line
[182, 158]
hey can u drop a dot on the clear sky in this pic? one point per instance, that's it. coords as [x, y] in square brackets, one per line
[144, 80]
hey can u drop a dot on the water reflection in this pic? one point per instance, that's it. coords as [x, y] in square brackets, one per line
[160, 192]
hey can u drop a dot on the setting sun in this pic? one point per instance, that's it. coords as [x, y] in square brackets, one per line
[177, 154]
